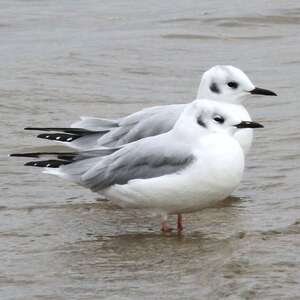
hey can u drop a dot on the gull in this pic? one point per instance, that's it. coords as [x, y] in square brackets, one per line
[221, 83]
[191, 167]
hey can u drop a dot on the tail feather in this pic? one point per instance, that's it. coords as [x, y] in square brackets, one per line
[72, 171]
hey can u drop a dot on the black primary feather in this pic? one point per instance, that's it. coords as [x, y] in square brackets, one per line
[67, 135]
[63, 158]
[69, 156]
[80, 131]
[61, 137]
[50, 163]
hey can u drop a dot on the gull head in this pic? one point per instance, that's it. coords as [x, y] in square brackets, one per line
[205, 116]
[228, 84]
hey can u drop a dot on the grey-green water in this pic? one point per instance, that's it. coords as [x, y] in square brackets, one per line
[63, 59]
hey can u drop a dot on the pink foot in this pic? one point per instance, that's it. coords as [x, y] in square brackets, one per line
[165, 227]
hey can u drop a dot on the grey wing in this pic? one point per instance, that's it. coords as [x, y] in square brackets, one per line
[140, 160]
[116, 132]
[147, 122]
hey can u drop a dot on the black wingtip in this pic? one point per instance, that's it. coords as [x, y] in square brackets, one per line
[51, 163]
[64, 134]
[32, 155]
[63, 156]
[59, 137]
[31, 128]
[48, 128]
[70, 130]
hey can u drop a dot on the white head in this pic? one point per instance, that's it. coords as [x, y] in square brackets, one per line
[206, 117]
[228, 84]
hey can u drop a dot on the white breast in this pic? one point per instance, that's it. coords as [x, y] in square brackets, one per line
[215, 173]
[245, 136]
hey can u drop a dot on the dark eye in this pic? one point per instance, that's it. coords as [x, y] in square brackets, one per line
[233, 84]
[219, 119]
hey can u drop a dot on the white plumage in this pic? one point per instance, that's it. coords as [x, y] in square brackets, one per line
[193, 166]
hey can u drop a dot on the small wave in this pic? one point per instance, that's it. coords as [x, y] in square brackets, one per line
[256, 21]
[180, 20]
[187, 36]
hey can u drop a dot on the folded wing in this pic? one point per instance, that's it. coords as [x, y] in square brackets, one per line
[92, 133]
[99, 169]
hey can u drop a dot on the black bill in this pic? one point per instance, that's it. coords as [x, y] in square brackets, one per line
[248, 124]
[259, 91]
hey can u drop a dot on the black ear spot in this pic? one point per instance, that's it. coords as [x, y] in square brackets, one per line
[200, 122]
[214, 88]
[233, 84]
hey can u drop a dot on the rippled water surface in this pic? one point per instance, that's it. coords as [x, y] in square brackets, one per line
[63, 59]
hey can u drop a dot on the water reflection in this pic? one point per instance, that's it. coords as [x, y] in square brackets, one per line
[111, 60]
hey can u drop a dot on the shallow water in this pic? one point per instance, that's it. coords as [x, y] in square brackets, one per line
[63, 59]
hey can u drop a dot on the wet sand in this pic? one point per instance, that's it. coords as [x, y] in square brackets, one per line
[60, 60]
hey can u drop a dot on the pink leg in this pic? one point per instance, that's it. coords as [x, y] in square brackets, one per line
[179, 223]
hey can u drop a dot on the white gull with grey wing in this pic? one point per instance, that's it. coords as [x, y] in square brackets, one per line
[191, 167]
[225, 84]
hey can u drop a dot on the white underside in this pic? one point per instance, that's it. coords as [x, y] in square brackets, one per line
[245, 136]
[215, 173]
